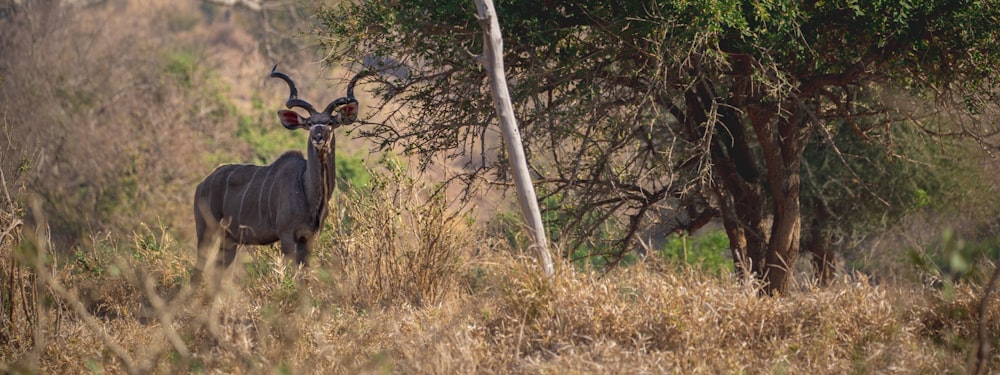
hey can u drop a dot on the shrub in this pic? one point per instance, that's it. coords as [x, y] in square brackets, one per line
[399, 242]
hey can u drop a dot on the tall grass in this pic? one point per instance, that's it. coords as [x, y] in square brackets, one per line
[18, 316]
[403, 283]
[399, 243]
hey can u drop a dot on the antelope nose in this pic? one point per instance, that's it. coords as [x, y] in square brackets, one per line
[319, 137]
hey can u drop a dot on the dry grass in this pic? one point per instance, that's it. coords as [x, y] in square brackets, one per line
[370, 305]
[683, 321]
[17, 298]
[394, 252]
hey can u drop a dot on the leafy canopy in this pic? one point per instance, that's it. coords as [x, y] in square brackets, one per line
[661, 113]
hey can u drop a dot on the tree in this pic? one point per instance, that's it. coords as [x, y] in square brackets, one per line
[633, 108]
[915, 174]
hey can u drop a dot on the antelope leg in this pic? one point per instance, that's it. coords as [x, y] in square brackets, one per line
[227, 253]
[302, 251]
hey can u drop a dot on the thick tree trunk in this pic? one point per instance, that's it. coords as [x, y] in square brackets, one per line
[783, 157]
[783, 249]
[766, 252]
[746, 200]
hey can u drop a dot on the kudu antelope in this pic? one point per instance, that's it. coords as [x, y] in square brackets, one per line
[240, 204]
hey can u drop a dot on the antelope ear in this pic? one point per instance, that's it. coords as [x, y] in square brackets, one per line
[292, 120]
[349, 112]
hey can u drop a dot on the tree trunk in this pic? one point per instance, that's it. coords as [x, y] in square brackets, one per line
[492, 60]
[767, 252]
[742, 213]
[783, 158]
[739, 191]
[783, 249]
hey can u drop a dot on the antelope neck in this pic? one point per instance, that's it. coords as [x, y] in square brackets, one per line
[317, 180]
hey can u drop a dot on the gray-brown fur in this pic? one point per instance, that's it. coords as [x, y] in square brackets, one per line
[286, 202]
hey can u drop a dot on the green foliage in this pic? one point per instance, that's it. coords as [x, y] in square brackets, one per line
[596, 250]
[873, 187]
[352, 173]
[267, 139]
[628, 106]
[96, 261]
[268, 269]
[152, 251]
[209, 10]
[23, 166]
[706, 251]
[593, 252]
[182, 66]
[953, 259]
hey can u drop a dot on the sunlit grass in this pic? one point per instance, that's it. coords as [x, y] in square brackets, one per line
[377, 300]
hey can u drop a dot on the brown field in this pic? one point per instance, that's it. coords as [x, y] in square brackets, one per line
[432, 300]
[112, 113]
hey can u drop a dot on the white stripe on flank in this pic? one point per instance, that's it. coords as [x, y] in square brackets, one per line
[272, 211]
[245, 189]
[225, 193]
[260, 196]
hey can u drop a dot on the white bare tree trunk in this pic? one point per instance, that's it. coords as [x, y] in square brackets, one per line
[492, 60]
